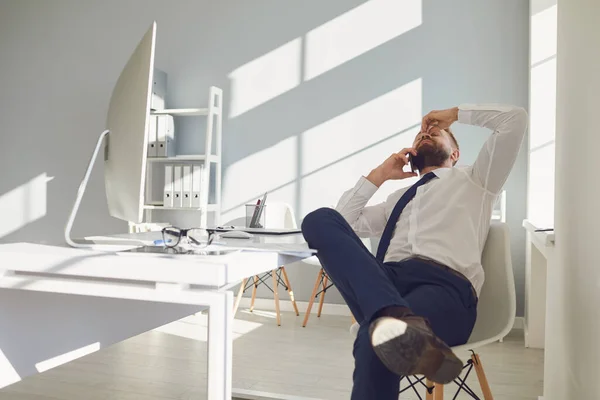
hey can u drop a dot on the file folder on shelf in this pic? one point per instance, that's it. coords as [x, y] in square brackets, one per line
[152, 138]
[186, 186]
[177, 185]
[197, 180]
[165, 132]
[168, 191]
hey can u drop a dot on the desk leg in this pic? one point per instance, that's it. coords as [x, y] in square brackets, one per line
[535, 296]
[220, 346]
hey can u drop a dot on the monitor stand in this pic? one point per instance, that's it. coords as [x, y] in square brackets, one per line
[80, 193]
[97, 241]
[115, 243]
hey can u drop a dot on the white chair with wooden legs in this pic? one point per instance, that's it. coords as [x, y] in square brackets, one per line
[278, 216]
[322, 284]
[496, 311]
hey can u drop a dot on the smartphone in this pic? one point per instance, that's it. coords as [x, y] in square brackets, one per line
[410, 161]
[415, 162]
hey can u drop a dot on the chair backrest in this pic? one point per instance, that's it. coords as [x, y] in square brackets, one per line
[277, 216]
[280, 216]
[497, 303]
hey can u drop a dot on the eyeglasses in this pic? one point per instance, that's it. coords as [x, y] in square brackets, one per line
[197, 237]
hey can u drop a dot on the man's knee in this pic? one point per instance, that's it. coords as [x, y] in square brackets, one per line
[314, 222]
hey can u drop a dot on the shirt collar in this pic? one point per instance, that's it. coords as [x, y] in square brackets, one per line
[441, 172]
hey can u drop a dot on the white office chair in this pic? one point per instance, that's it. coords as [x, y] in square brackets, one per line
[495, 313]
[277, 216]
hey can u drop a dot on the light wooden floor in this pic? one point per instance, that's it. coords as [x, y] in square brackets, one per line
[316, 361]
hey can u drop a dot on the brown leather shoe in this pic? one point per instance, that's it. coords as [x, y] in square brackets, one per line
[407, 346]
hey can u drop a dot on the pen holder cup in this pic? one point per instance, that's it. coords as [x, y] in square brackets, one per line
[255, 215]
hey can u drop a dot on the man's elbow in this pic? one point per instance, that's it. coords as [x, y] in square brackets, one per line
[520, 118]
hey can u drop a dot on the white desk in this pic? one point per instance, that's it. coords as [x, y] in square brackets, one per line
[539, 253]
[176, 279]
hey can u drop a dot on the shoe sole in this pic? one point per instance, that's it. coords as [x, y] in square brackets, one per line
[407, 350]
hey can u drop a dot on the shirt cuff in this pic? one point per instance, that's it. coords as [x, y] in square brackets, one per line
[464, 115]
[365, 188]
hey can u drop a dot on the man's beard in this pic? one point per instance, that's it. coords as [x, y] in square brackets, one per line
[429, 156]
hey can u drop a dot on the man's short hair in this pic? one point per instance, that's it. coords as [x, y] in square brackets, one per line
[454, 141]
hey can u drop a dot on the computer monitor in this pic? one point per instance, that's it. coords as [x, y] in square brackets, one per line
[125, 139]
[127, 122]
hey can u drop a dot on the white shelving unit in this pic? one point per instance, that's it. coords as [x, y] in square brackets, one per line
[183, 111]
[213, 158]
[210, 159]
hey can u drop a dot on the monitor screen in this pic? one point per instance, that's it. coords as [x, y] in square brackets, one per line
[127, 122]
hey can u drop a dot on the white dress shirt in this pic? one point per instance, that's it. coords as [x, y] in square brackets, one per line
[449, 217]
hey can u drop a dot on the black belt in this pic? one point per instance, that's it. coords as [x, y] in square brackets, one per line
[445, 268]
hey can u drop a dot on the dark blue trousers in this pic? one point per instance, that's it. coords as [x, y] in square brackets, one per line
[368, 286]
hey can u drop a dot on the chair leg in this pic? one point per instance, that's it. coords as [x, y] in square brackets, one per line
[485, 386]
[322, 296]
[290, 291]
[312, 297]
[239, 296]
[255, 279]
[437, 393]
[428, 395]
[276, 295]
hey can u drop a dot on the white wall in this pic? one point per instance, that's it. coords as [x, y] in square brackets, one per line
[573, 323]
[316, 94]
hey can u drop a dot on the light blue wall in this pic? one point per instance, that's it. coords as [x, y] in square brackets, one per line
[60, 60]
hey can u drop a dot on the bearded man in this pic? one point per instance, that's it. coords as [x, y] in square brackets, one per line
[417, 296]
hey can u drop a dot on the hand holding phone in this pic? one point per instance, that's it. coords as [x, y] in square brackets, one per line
[393, 167]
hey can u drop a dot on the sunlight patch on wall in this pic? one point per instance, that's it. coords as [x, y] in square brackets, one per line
[65, 358]
[8, 374]
[362, 126]
[325, 187]
[358, 31]
[265, 77]
[542, 113]
[542, 109]
[543, 35]
[23, 205]
[273, 169]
